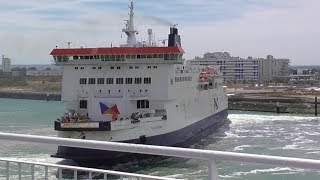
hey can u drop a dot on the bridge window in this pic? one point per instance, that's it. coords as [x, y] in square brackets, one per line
[83, 104]
[166, 57]
[143, 56]
[149, 56]
[106, 57]
[92, 80]
[160, 56]
[142, 104]
[117, 57]
[83, 80]
[175, 56]
[112, 57]
[155, 56]
[102, 57]
[75, 57]
[133, 56]
[91, 57]
[171, 56]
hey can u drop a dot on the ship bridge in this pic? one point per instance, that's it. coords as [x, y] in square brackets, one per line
[117, 54]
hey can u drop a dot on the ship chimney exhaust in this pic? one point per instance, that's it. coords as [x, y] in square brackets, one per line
[174, 37]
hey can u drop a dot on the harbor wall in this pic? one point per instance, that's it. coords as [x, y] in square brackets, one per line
[298, 105]
[258, 103]
[31, 96]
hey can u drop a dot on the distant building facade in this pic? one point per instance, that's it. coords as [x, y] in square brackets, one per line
[272, 69]
[56, 72]
[304, 77]
[6, 65]
[245, 70]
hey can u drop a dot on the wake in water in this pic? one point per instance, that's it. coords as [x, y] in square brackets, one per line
[249, 132]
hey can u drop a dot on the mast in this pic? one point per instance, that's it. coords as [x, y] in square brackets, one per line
[129, 29]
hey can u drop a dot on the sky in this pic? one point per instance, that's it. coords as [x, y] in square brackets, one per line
[30, 29]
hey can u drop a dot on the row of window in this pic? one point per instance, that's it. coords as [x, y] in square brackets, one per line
[141, 104]
[183, 79]
[120, 57]
[118, 67]
[146, 80]
[140, 56]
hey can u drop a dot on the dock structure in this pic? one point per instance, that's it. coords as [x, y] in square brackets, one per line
[211, 156]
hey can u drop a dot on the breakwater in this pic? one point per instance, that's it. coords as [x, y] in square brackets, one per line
[31, 95]
[266, 103]
[243, 102]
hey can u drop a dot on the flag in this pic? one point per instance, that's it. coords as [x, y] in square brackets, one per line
[109, 109]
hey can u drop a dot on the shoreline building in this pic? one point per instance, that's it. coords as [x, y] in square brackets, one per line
[273, 70]
[6, 64]
[245, 70]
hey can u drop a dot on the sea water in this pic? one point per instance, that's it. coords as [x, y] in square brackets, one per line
[247, 132]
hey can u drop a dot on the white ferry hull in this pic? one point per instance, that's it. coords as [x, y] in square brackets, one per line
[180, 138]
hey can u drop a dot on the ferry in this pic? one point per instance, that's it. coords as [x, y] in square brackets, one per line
[139, 92]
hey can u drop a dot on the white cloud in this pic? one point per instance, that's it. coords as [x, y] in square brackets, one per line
[283, 32]
[286, 28]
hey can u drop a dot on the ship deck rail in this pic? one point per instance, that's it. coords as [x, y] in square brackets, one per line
[211, 156]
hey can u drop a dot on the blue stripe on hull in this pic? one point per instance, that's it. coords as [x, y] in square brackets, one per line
[180, 138]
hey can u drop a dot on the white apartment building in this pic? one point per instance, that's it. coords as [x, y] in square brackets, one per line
[6, 65]
[233, 68]
[272, 69]
[240, 70]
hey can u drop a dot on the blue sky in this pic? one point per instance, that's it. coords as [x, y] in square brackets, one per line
[284, 28]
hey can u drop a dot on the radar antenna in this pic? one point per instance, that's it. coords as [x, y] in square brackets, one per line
[129, 29]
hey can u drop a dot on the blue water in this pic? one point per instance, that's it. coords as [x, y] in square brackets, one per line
[249, 132]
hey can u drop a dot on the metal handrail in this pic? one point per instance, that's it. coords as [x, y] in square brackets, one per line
[83, 169]
[211, 156]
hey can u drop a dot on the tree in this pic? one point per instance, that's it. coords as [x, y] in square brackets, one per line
[48, 69]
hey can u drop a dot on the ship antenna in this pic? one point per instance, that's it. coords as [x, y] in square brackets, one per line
[129, 29]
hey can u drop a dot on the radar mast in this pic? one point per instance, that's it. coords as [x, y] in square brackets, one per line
[129, 29]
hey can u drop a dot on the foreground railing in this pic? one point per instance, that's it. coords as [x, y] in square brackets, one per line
[210, 156]
[91, 172]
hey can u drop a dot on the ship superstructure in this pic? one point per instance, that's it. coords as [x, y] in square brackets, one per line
[136, 93]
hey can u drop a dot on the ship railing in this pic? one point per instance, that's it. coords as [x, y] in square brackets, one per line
[211, 156]
[78, 172]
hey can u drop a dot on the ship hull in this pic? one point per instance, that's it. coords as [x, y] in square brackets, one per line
[180, 138]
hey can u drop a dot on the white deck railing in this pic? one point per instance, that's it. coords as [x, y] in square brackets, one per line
[210, 156]
[91, 172]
